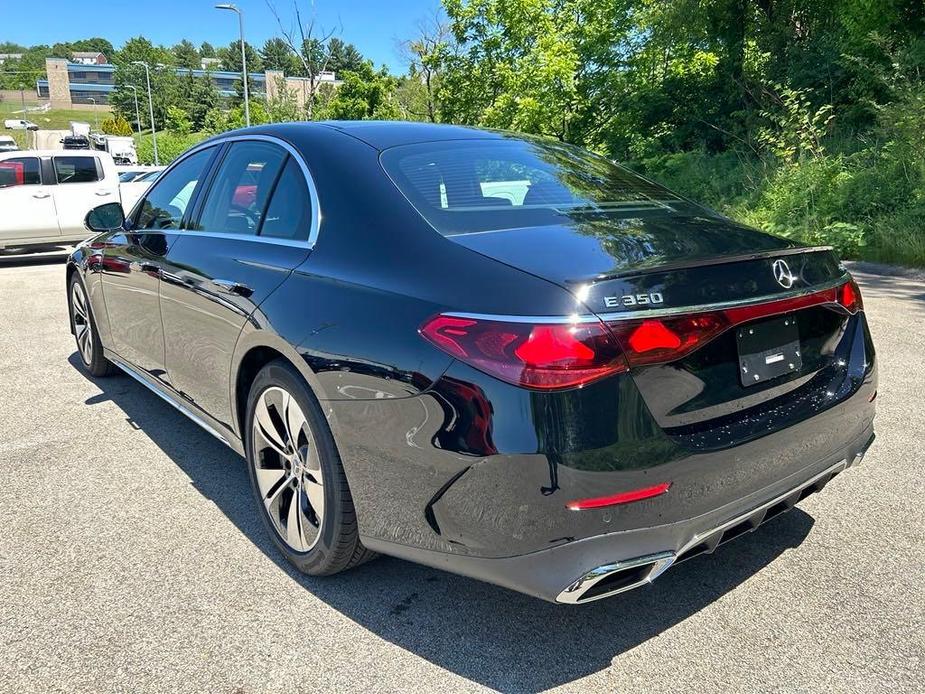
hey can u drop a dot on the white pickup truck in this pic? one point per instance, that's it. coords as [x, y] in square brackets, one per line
[45, 195]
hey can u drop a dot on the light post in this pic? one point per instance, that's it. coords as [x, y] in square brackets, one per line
[150, 108]
[234, 8]
[137, 114]
[96, 118]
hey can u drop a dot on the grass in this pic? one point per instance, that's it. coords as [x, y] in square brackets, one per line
[53, 119]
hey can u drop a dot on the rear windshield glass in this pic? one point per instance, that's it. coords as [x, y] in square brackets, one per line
[467, 186]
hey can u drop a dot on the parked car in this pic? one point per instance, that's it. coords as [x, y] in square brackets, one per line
[45, 195]
[127, 174]
[498, 355]
[131, 190]
[8, 144]
[75, 142]
[17, 124]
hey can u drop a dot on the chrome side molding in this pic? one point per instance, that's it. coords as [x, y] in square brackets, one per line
[130, 371]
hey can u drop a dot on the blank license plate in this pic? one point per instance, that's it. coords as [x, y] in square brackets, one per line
[768, 349]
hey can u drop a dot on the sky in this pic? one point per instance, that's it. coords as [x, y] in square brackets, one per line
[374, 26]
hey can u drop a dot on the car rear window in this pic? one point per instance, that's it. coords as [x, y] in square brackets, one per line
[468, 186]
[20, 171]
[76, 169]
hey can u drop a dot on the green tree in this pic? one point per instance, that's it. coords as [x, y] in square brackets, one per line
[230, 56]
[186, 55]
[196, 96]
[277, 55]
[343, 57]
[163, 80]
[364, 94]
[206, 50]
[95, 45]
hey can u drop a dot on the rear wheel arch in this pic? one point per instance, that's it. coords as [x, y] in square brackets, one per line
[255, 350]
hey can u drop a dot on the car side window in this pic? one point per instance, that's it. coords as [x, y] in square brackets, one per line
[165, 204]
[76, 169]
[289, 214]
[20, 171]
[237, 198]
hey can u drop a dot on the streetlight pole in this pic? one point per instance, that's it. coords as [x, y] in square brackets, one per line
[137, 114]
[150, 108]
[236, 9]
[96, 118]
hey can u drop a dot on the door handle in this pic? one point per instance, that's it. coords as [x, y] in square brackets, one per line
[145, 267]
[233, 287]
[103, 193]
[41, 196]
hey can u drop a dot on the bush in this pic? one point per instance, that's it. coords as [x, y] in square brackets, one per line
[864, 197]
[169, 146]
[178, 121]
[117, 125]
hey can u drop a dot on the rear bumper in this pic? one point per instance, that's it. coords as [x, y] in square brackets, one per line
[604, 565]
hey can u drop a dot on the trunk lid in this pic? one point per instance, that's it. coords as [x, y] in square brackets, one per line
[675, 265]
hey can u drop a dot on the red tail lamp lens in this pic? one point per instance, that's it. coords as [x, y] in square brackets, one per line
[543, 357]
[659, 340]
[621, 498]
[849, 296]
[653, 334]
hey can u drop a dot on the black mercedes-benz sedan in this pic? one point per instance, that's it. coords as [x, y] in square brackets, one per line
[494, 354]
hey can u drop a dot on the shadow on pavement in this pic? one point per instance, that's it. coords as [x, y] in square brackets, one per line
[486, 634]
[889, 287]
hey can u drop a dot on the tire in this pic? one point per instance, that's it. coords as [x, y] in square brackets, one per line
[297, 476]
[83, 326]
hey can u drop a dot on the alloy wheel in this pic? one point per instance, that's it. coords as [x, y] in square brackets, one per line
[288, 469]
[83, 328]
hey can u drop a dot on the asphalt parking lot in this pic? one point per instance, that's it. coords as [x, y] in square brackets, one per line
[131, 559]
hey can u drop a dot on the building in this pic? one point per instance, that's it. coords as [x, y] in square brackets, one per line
[9, 56]
[88, 58]
[210, 63]
[69, 84]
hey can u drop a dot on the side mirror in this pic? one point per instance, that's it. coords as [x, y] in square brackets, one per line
[108, 217]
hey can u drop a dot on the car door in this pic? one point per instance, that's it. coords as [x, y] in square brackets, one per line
[133, 260]
[83, 182]
[251, 229]
[28, 206]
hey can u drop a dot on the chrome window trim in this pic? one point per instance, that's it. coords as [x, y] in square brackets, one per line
[656, 313]
[293, 152]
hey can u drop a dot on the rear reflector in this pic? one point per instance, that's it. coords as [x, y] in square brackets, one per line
[621, 498]
[539, 356]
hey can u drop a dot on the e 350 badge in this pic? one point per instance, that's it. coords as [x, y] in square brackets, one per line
[633, 300]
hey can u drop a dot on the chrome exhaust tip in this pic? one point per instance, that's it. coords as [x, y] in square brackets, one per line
[618, 577]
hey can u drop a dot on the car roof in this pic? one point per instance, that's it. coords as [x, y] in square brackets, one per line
[60, 153]
[377, 134]
[385, 134]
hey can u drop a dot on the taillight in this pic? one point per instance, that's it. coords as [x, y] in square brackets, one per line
[849, 296]
[660, 340]
[533, 355]
[547, 356]
[657, 340]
